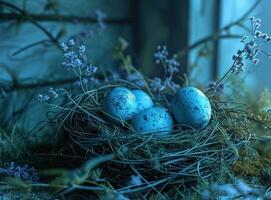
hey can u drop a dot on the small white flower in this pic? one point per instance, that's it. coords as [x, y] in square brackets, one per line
[71, 42]
[82, 49]
[63, 46]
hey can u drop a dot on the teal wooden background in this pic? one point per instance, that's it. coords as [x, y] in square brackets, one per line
[144, 24]
[43, 63]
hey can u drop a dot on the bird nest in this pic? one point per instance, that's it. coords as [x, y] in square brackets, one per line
[161, 164]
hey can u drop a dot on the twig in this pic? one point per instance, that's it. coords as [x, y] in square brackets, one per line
[17, 114]
[24, 16]
[230, 70]
[218, 35]
[242, 18]
[80, 187]
[207, 39]
[29, 46]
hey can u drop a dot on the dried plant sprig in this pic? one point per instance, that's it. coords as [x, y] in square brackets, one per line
[100, 19]
[137, 78]
[75, 58]
[52, 94]
[170, 65]
[15, 195]
[25, 173]
[252, 47]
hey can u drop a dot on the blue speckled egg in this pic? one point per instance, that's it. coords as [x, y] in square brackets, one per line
[191, 108]
[120, 103]
[153, 120]
[144, 101]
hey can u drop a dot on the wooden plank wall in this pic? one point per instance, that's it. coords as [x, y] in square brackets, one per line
[145, 24]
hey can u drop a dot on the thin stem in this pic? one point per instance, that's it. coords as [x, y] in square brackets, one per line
[218, 35]
[230, 69]
[206, 40]
[80, 187]
[49, 35]
[25, 16]
[30, 46]
[125, 63]
[243, 17]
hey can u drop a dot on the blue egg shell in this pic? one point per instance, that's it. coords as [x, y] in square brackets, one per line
[120, 103]
[153, 120]
[191, 108]
[144, 101]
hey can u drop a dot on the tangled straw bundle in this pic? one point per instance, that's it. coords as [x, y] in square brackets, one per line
[163, 163]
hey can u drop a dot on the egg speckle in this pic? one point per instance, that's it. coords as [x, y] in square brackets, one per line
[191, 108]
[120, 103]
[143, 100]
[153, 120]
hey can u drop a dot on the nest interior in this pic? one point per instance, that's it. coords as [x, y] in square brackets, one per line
[163, 163]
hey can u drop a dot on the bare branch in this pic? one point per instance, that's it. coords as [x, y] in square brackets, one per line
[218, 35]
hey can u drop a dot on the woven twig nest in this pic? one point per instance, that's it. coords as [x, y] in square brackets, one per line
[163, 163]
